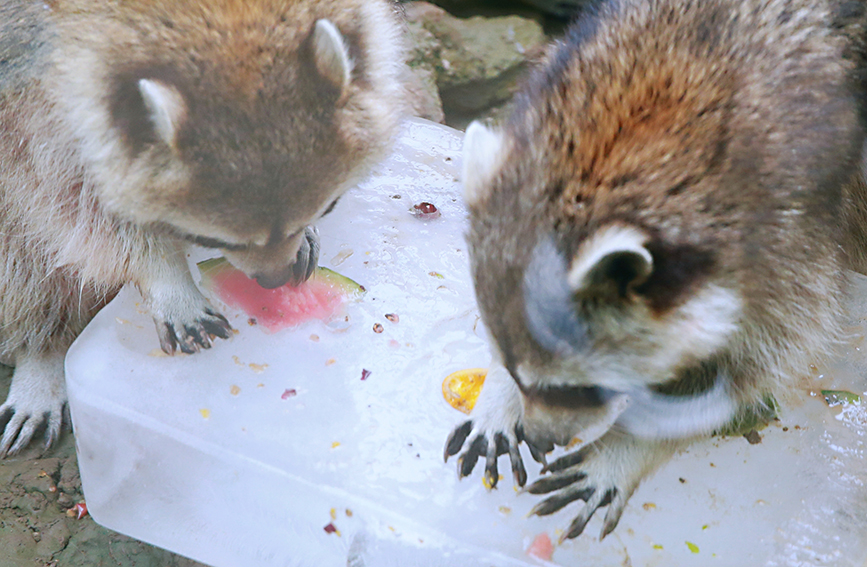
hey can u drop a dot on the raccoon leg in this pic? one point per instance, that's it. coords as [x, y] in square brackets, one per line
[36, 400]
[307, 258]
[494, 429]
[604, 473]
[184, 319]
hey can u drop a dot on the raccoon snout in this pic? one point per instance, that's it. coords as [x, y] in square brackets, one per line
[274, 279]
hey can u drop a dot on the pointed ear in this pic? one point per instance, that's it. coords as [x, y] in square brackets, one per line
[610, 262]
[331, 54]
[484, 152]
[166, 107]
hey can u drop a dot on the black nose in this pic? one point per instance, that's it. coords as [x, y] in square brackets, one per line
[274, 279]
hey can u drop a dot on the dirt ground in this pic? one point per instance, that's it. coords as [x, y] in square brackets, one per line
[36, 492]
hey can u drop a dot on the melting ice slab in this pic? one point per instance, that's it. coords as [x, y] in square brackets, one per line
[242, 455]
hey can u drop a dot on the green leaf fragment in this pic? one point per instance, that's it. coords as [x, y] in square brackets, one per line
[692, 547]
[837, 397]
[753, 417]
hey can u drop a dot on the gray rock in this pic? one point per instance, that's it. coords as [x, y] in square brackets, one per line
[475, 61]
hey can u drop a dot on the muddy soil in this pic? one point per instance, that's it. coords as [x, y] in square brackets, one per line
[38, 527]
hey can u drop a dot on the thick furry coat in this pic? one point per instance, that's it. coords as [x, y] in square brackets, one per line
[128, 127]
[657, 234]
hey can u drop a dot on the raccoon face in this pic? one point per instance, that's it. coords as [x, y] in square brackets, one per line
[243, 166]
[588, 311]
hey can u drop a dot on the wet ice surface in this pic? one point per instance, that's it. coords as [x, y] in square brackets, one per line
[215, 457]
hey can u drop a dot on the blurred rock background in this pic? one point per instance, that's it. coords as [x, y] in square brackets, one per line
[464, 60]
[466, 56]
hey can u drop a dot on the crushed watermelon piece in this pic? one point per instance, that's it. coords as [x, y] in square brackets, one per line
[541, 547]
[320, 297]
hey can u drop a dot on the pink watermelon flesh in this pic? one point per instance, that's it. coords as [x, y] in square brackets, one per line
[318, 298]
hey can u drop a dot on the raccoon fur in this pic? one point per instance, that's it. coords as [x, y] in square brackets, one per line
[657, 236]
[132, 128]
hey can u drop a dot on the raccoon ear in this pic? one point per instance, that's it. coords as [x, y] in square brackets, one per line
[166, 107]
[483, 153]
[331, 54]
[610, 262]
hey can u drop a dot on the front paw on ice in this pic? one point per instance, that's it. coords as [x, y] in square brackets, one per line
[189, 336]
[569, 481]
[489, 435]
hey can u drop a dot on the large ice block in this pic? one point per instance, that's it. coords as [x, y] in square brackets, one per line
[242, 455]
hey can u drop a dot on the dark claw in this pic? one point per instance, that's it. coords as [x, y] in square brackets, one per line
[188, 346]
[312, 236]
[537, 454]
[168, 342]
[609, 496]
[567, 461]
[554, 503]
[456, 439]
[492, 474]
[555, 482]
[519, 473]
[197, 336]
[468, 460]
[306, 259]
[219, 328]
[613, 515]
[577, 526]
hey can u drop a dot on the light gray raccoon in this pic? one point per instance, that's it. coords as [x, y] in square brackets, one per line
[656, 233]
[130, 128]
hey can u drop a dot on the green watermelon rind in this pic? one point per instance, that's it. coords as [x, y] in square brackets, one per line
[210, 267]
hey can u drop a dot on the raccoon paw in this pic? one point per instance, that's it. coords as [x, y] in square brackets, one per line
[491, 443]
[36, 403]
[307, 257]
[604, 473]
[192, 332]
[495, 429]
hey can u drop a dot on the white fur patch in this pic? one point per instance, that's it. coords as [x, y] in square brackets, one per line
[609, 240]
[483, 153]
[331, 54]
[707, 320]
[655, 416]
[166, 106]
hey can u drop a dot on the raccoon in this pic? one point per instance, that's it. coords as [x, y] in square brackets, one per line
[133, 128]
[656, 236]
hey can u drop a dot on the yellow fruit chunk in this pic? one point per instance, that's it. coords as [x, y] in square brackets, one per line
[461, 389]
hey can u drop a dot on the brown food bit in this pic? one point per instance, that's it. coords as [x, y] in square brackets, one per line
[377, 327]
[753, 437]
[682, 480]
[252, 321]
[392, 317]
[425, 211]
